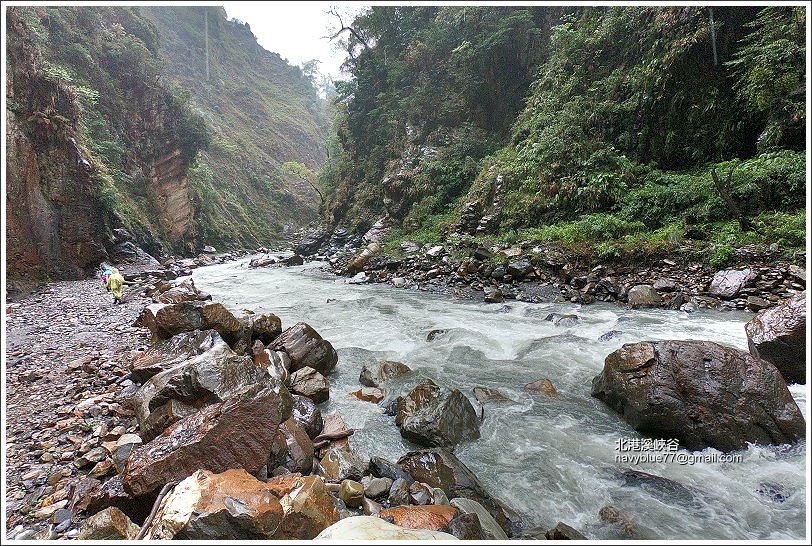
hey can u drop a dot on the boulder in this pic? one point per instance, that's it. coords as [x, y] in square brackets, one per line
[266, 328]
[307, 504]
[368, 394]
[235, 433]
[306, 348]
[701, 393]
[307, 415]
[295, 450]
[378, 230]
[166, 320]
[276, 362]
[109, 524]
[91, 496]
[313, 242]
[375, 528]
[231, 505]
[420, 493]
[168, 353]
[485, 394]
[644, 295]
[216, 316]
[358, 262]
[376, 487]
[665, 285]
[334, 424]
[434, 416]
[310, 383]
[431, 517]
[181, 291]
[381, 468]
[493, 295]
[377, 374]
[439, 467]
[399, 493]
[159, 419]
[491, 530]
[296, 259]
[340, 464]
[542, 386]
[729, 282]
[562, 531]
[778, 335]
[262, 261]
[466, 527]
[352, 493]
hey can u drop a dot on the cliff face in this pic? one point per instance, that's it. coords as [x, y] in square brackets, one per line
[261, 112]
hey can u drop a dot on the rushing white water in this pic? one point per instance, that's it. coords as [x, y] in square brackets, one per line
[549, 458]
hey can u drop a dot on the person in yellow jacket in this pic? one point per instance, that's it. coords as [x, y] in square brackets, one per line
[115, 284]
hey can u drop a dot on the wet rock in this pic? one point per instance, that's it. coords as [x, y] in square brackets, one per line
[490, 529]
[375, 528]
[643, 295]
[109, 524]
[466, 527]
[306, 348]
[726, 284]
[358, 262]
[701, 393]
[663, 488]
[368, 394]
[493, 295]
[180, 292]
[168, 353]
[313, 242]
[370, 507]
[124, 446]
[431, 517]
[235, 433]
[381, 468]
[226, 506]
[307, 505]
[485, 394]
[352, 493]
[159, 419]
[562, 531]
[342, 464]
[420, 493]
[335, 424]
[216, 316]
[266, 328]
[307, 415]
[433, 334]
[615, 516]
[166, 320]
[296, 259]
[778, 335]
[542, 386]
[93, 456]
[439, 467]
[399, 493]
[610, 335]
[434, 416]
[377, 487]
[665, 285]
[564, 320]
[276, 362]
[310, 383]
[295, 451]
[90, 496]
[376, 375]
[754, 303]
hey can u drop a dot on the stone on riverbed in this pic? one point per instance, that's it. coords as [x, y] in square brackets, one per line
[171, 352]
[728, 283]
[435, 416]
[235, 433]
[431, 517]
[778, 335]
[310, 383]
[374, 528]
[485, 394]
[292, 449]
[109, 524]
[307, 415]
[377, 374]
[490, 528]
[341, 463]
[644, 295]
[306, 348]
[701, 393]
[439, 467]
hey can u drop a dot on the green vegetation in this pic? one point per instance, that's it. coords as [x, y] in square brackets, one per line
[605, 133]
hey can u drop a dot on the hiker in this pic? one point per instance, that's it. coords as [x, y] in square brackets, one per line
[114, 282]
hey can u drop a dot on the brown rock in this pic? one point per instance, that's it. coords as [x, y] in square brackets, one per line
[307, 415]
[295, 451]
[163, 416]
[227, 506]
[308, 506]
[542, 386]
[435, 416]
[778, 335]
[231, 434]
[342, 464]
[432, 517]
[109, 524]
[306, 348]
[378, 374]
[310, 383]
[266, 328]
[368, 394]
[484, 394]
[171, 352]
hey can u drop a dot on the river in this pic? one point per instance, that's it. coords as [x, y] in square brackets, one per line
[548, 458]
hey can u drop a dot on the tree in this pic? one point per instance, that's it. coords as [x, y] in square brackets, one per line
[305, 174]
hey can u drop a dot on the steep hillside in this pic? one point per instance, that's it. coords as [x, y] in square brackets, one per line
[577, 125]
[261, 112]
[95, 143]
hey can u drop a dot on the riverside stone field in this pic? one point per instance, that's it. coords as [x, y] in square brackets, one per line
[109, 403]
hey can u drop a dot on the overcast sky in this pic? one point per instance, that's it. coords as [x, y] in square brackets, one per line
[295, 30]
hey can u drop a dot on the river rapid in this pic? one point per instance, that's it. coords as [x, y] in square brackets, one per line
[548, 458]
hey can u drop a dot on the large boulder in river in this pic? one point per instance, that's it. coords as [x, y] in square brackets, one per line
[728, 283]
[306, 348]
[433, 416]
[231, 505]
[292, 449]
[307, 415]
[166, 320]
[377, 374]
[266, 328]
[367, 528]
[235, 433]
[439, 467]
[701, 393]
[778, 335]
[168, 353]
[181, 291]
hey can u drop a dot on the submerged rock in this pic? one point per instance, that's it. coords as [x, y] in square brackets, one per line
[542, 386]
[701, 393]
[377, 374]
[778, 335]
[434, 416]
